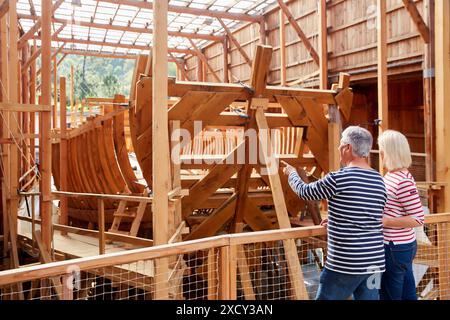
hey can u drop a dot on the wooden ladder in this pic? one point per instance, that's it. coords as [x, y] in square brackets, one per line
[121, 213]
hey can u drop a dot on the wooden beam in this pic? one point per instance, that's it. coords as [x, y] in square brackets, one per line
[45, 151]
[99, 54]
[323, 45]
[105, 26]
[4, 7]
[424, 31]
[282, 18]
[55, 95]
[188, 10]
[22, 107]
[442, 43]
[299, 31]
[161, 153]
[115, 45]
[235, 42]
[204, 60]
[225, 61]
[63, 156]
[29, 34]
[382, 70]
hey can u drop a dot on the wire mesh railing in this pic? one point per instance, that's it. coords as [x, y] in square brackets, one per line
[267, 265]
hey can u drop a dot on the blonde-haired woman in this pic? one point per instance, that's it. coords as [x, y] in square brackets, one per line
[402, 213]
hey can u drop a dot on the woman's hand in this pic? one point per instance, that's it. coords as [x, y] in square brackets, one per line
[324, 223]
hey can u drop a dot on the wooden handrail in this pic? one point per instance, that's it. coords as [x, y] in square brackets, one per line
[117, 258]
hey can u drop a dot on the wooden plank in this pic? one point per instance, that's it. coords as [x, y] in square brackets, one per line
[312, 52]
[101, 227]
[212, 275]
[443, 231]
[295, 272]
[424, 31]
[224, 273]
[137, 219]
[382, 70]
[244, 274]
[442, 43]
[323, 47]
[63, 161]
[160, 145]
[23, 107]
[282, 48]
[45, 140]
[235, 42]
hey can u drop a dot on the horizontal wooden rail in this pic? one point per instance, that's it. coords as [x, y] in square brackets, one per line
[24, 107]
[62, 267]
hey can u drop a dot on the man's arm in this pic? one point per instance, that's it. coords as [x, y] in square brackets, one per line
[321, 189]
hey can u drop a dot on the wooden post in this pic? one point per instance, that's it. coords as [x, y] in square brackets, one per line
[5, 134]
[13, 73]
[429, 102]
[72, 94]
[282, 48]
[443, 237]
[161, 152]
[225, 61]
[63, 159]
[442, 43]
[233, 272]
[45, 146]
[382, 71]
[55, 95]
[101, 226]
[262, 31]
[224, 273]
[199, 69]
[323, 45]
[33, 101]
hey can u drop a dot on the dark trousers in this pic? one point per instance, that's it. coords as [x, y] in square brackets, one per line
[398, 283]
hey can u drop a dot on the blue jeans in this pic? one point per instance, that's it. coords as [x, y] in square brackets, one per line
[341, 286]
[398, 281]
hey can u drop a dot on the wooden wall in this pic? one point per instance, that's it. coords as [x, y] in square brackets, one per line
[351, 42]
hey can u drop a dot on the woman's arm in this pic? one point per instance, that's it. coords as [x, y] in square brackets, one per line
[400, 222]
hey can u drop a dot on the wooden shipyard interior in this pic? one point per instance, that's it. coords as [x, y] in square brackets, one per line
[168, 185]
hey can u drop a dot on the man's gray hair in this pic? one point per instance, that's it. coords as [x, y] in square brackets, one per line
[360, 139]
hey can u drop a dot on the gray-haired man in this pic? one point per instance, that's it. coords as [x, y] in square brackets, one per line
[356, 197]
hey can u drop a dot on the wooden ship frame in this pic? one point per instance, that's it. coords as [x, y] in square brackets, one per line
[183, 190]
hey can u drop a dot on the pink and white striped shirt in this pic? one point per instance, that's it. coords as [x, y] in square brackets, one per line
[403, 200]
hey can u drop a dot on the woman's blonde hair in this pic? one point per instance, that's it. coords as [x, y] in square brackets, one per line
[395, 147]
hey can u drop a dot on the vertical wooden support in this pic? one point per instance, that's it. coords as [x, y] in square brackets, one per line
[25, 116]
[262, 31]
[101, 226]
[226, 78]
[429, 101]
[212, 274]
[45, 151]
[13, 73]
[67, 287]
[199, 69]
[161, 152]
[224, 273]
[282, 48]
[323, 45]
[443, 237]
[294, 268]
[72, 95]
[232, 265]
[33, 101]
[5, 134]
[55, 95]
[382, 70]
[442, 43]
[63, 159]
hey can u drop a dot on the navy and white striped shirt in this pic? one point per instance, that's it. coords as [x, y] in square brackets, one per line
[356, 199]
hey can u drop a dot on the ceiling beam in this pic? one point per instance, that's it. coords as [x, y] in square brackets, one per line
[418, 20]
[127, 29]
[300, 32]
[23, 40]
[99, 54]
[187, 10]
[204, 59]
[116, 45]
